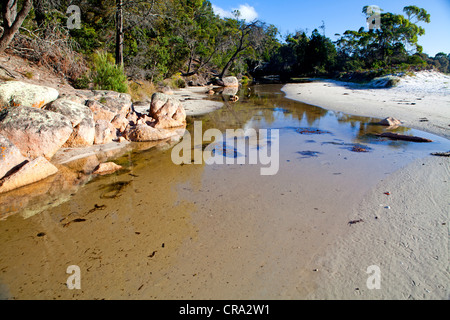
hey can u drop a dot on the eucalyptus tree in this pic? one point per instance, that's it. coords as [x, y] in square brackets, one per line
[244, 39]
[396, 38]
[12, 19]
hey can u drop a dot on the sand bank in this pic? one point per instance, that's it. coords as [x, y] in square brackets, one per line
[405, 234]
[401, 224]
[193, 100]
[420, 102]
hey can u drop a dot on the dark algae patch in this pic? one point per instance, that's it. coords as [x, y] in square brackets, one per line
[113, 190]
[309, 154]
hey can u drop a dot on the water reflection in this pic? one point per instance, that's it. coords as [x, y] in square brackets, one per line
[70, 178]
[264, 106]
[158, 230]
[259, 107]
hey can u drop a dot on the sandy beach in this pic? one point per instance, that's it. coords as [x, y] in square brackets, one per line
[420, 102]
[160, 231]
[194, 100]
[402, 222]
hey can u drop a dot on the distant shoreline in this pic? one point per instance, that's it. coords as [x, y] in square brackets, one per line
[421, 102]
[405, 216]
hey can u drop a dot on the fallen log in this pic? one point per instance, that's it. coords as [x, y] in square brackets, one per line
[396, 136]
[441, 154]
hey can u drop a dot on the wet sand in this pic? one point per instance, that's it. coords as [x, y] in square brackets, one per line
[405, 233]
[160, 231]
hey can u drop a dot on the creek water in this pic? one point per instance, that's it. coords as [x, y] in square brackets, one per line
[156, 230]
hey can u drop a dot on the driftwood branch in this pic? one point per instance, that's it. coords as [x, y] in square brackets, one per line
[441, 154]
[396, 136]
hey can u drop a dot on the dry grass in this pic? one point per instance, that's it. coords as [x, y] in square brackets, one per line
[141, 90]
[52, 48]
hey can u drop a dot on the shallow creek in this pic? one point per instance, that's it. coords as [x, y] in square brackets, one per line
[156, 230]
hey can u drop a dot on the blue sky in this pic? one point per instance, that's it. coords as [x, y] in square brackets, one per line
[339, 16]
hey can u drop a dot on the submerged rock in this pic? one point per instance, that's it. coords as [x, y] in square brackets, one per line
[143, 133]
[230, 91]
[396, 136]
[107, 168]
[390, 122]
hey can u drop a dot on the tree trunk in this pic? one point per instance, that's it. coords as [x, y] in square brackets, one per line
[40, 7]
[119, 33]
[225, 69]
[12, 21]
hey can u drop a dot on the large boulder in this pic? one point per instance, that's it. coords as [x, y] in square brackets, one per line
[83, 134]
[230, 82]
[79, 97]
[104, 132]
[230, 91]
[36, 132]
[82, 120]
[120, 122]
[19, 93]
[141, 106]
[10, 156]
[74, 111]
[118, 103]
[31, 172]
[106, 105]
[100, 111]
[167, 111]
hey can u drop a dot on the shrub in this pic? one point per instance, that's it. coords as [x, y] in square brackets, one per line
[176, 81]
[141, 90]
[107, 75]
[82, 82]
[245, 81]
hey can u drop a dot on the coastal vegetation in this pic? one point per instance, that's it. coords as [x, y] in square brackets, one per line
[129, 45]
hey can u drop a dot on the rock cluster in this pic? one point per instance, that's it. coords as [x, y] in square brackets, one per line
[36, 122]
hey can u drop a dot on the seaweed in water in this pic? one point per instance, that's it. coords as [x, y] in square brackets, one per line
[226, 151]
[311, 131]
[113, 190]
[75, 220]
[309, 154]
[97, 207]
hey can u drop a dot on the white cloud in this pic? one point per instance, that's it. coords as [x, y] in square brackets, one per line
[248, 12]
[221, 12]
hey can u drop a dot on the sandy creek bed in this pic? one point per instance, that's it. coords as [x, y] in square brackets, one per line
[156, 230]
